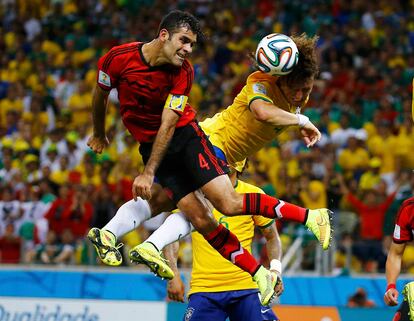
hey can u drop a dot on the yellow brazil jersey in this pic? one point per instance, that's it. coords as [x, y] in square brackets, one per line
[79, 105]
[235, 130]
[213, 273]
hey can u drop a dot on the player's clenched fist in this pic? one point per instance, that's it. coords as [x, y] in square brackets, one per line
[142, 186]
[97, 144]
[391, 296]
[175, 289]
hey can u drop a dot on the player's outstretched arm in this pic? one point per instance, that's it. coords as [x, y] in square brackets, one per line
[392, 271]
[143, 182]
[274, 253]
[98, 141]
[175, 287]
[266, 112]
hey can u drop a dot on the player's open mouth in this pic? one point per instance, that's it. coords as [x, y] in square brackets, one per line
[180, 56]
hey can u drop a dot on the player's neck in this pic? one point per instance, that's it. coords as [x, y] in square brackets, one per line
[152, 53]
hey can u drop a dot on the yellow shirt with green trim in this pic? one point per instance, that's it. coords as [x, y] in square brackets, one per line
[213, 273]
[235, 130]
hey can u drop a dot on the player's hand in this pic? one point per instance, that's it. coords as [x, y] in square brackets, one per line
[279, 287]
[391, 297]
[142, 186]
[97, 144]
[175, 289]
[310, 134]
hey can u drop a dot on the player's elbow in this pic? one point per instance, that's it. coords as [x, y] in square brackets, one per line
[261, 114]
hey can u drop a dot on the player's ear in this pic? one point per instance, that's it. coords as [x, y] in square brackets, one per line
[164, 35]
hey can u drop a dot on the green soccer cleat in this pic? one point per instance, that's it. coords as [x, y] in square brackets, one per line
[105, 246]
[146, 253]
[319, 223]
[408, 293]
[266, 281]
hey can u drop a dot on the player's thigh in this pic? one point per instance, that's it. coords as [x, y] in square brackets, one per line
[198, 212]
[249, 308]
[201, 308]
[220, 192]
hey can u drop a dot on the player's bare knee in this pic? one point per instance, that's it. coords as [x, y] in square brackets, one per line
[230, 206]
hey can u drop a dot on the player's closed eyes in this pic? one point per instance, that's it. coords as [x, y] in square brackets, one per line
[185, 40]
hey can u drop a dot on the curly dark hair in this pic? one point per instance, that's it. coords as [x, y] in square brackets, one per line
[177, 19]
[307, 66]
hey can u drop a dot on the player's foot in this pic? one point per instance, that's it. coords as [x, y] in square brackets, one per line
[319, 223]
[266, 281]
[408, 293]
[105, 245]
[146, 253]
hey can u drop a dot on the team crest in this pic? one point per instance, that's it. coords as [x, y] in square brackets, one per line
[104, 79]
[259, 89]
[188, 314]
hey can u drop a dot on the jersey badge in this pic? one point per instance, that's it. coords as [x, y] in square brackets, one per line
[189, 313]
[397, 232]
[259, 89]
[104, 79]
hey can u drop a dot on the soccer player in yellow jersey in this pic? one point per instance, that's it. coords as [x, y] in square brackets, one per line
[250, 122]
[220, 290]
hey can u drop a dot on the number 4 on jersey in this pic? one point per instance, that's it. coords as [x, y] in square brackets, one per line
[203, 162]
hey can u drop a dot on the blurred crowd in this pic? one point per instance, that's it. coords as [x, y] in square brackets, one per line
[53, 188]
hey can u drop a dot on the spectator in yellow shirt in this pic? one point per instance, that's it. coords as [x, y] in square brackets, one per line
[384, 145]
[62, 174]
[313, 193]
[353, 159]
[79, 105]
[371, 178]
[10, 103]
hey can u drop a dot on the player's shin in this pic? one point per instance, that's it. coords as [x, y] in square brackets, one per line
[128, 217]
[175, 227]
[265, 205]
[228, 245]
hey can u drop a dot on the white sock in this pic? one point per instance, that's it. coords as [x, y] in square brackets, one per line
[175, 227]
[128, 217]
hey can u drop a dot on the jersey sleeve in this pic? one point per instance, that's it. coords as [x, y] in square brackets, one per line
[257, 88]
[109, 68]
[182, 83]
[403, 229]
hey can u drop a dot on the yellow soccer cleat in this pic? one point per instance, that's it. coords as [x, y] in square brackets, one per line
[319, 223]
[105, 245]
[146, 253]
[266, 281]
[408, 293]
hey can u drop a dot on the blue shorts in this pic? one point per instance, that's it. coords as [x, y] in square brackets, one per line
[220, 154]
[242, 305]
